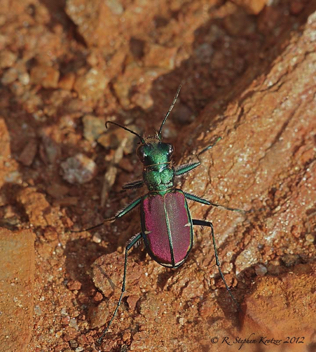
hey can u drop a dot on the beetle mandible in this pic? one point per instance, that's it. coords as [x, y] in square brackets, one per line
[166, 223]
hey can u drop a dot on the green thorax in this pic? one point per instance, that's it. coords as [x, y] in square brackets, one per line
[158, 171]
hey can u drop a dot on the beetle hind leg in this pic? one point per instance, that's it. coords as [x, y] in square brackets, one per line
[218, 264]
[134, 240]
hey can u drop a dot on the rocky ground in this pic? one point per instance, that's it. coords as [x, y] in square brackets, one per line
[248, 72]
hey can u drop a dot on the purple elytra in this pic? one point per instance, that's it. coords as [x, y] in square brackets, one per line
[167, 227]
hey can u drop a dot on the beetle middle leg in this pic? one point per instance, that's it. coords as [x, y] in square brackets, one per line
[209, 224]
[204, 201]
[132, 243]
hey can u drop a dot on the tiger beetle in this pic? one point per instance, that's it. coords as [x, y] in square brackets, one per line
[166, 223]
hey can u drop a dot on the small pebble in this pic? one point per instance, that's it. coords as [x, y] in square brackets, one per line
[227, 267]
[126, 336]
[46, 76]
[63, 311]
[93, 127]
[73, 323]
[73, 343]
[290, 259]
[74, 285]
[67, 81]
[132, 301]
[37, 310]
[160, 56]
[98, 297]
[7, 59]
[65, 320]
[260, 270]
[145, 101]
[91, 85]
[115, 6]
[182, 321]
[99, 315]
[57, 190]
[28, 154]
[96, 238]
[79, 169]
[59, 334]
[13, 177]
[24, 78]
[9, 76]
[50, 150]
[309, 238]
[253, 7]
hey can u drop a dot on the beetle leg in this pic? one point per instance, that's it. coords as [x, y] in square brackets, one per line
[132, 242]
[209, 224]
[128, 208]
[182, 169]
[204, 201]
[119, 214]
[135, 184]
[209, 146]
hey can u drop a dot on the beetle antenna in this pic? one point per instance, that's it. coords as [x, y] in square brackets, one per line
[126, 129]
[169, 111]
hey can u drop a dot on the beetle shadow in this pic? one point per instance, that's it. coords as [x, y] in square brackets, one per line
[80, 255]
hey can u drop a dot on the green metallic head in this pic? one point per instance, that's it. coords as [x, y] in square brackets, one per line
[158, 173]
[154, 152]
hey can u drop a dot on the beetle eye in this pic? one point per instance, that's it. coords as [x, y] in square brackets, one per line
[143, 151]
[140, 153]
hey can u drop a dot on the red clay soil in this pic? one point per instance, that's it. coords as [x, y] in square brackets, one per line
[248, 71]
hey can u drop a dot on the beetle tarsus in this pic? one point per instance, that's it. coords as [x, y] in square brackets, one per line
[209, 147]
[119, 214]
[112, 219]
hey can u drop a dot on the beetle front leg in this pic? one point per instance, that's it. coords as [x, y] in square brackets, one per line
[209, 224]
[183, 169]
[119, 214]
[134, 184]
[133, 241]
